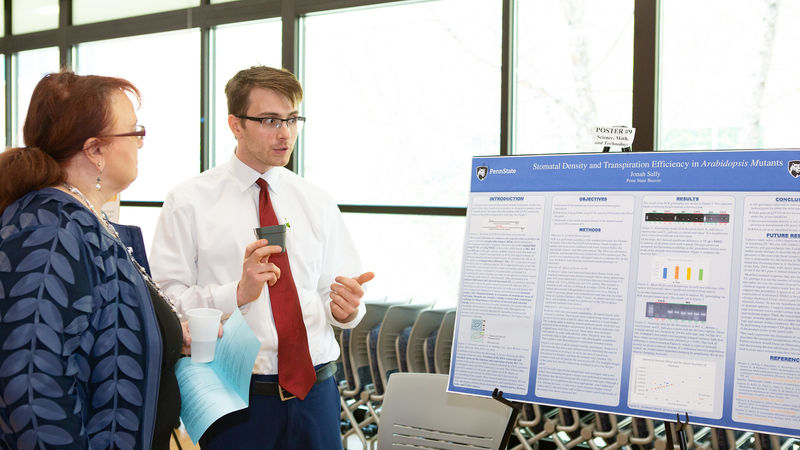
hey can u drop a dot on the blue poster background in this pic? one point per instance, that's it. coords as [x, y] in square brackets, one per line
[696, 171]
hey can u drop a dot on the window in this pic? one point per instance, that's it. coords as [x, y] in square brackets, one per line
[87, 11]
[399, 98]
[3, 97]
[400, 94]
[170, 110]
[414, 258]
[144, 217]
[170, 103]
[741, 90]
[574, 72]
[31, 66]
[33, 15]
[234, 50]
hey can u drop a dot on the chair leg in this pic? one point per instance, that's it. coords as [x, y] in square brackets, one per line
[355, 426]
[523, 441]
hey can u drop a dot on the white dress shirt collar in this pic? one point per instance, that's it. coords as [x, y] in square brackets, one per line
[245, 176]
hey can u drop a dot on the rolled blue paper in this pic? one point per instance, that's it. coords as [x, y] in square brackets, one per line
[212, 390]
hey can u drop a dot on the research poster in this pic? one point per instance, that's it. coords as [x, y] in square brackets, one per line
[644, 284]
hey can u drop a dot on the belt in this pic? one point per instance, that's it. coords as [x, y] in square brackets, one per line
[273, 388]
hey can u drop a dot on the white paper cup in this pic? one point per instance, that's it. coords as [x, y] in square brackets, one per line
[204, 329]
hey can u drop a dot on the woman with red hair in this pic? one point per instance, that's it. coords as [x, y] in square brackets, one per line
[88, 343]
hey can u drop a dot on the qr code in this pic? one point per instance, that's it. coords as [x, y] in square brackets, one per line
[477, 330]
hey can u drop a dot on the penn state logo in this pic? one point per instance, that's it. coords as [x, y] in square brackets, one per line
[482, 171]
[794, 168]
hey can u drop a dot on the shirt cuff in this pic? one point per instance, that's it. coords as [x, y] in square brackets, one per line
[224, 298]
[351, 324]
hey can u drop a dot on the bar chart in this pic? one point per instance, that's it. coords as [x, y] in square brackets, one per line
[671, 270]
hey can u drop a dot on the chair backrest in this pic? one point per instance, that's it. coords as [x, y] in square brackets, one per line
[401, 348]
[372, 352]
[430, 352]
[339, 375]
[427, 321]
[347, 365]
[444, 342]
[397, 318]
[418, 412]
[357, 346]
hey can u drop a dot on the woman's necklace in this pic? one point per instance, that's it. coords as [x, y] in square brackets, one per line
[113, 232]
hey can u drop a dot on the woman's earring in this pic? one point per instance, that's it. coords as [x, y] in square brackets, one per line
[97, 182]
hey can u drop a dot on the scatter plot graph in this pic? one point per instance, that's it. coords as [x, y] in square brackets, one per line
[672, 384]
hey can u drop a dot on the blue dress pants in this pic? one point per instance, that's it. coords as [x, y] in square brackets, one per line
[269, 423]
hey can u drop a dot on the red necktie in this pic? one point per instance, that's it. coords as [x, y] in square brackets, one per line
[295, 370]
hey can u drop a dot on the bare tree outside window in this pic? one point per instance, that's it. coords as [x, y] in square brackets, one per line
[574, 72]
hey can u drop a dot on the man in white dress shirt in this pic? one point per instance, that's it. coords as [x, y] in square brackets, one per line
[204, 254]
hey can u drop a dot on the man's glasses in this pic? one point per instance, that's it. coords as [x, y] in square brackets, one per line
[292, 123]
[139, 133]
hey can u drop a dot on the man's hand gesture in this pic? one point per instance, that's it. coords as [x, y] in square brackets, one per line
[346, 295]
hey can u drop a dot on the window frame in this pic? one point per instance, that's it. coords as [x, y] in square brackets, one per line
[207, 16]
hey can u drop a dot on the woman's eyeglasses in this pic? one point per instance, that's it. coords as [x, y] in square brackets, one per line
[139, 133]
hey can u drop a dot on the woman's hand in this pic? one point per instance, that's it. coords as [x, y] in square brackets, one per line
[187, 338]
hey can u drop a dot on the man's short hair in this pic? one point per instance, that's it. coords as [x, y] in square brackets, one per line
[279, 80]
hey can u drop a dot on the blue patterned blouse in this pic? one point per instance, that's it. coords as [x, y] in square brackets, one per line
[80, 349]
